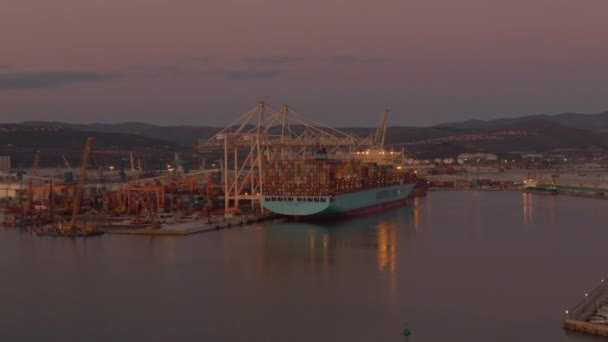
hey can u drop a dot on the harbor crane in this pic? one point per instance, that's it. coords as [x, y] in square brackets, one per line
[265, 134]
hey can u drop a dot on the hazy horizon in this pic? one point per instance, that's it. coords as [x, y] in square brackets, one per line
[343, 126]
[341, 62]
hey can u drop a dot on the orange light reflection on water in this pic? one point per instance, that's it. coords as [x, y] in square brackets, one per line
[386, 240]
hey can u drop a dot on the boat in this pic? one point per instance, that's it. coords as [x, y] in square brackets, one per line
[323, 187]
[532, 187]
[541, 190]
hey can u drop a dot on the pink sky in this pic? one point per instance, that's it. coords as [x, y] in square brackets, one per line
[343, 62]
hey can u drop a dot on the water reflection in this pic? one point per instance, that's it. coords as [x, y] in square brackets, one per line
[387, 252]
[364, 243]
[527, 208]
[354, 280]
[552, 210]
[288, 245]
[538, 205]
[416, 213]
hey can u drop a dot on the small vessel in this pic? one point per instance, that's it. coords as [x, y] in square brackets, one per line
[532, 187]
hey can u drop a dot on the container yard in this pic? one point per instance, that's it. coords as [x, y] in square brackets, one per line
[264, 161]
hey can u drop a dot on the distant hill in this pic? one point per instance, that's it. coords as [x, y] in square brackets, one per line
[180, 135]
[592, 122]
[533, 133]
[529, 134]
[53, 141]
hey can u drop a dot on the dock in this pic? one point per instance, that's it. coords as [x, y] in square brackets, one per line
[584, 317]
[192, 227]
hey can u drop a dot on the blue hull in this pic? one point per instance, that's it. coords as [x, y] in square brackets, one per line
[341, 205]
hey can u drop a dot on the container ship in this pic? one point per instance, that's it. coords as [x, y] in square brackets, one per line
[322, 187]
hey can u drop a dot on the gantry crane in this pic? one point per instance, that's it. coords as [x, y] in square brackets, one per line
[265, 134]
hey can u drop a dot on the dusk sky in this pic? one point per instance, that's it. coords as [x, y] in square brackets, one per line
[206, 62]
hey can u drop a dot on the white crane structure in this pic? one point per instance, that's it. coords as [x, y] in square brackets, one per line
[265, 134]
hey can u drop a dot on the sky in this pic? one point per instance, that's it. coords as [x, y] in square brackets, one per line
[207, 62]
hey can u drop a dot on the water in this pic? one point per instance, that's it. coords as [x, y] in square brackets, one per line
[455, 266]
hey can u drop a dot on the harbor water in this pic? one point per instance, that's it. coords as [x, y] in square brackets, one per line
[454, 266]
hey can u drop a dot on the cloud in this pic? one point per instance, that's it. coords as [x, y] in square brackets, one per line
[50, 79]
[245, 74]
[180, 67]
[202, 59]
[352, 59]
[157, 70]
[275, 59]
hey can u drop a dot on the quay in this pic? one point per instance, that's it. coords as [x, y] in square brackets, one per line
[191, 227]
[584, 317]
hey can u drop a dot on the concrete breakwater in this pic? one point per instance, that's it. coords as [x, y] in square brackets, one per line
[589, 315]
[191, 227]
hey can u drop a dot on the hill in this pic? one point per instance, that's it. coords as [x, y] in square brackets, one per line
[179, 135]
[53, 141]
[534, 133]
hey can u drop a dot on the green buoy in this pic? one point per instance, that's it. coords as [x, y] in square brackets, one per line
[407, 332]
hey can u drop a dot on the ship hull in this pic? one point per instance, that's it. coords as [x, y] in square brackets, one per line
[342, 205]
[541, 191]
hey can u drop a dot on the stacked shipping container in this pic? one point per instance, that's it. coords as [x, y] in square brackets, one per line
[325, 177]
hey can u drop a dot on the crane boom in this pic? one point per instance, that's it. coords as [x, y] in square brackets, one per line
[86, 154]
[380, 135]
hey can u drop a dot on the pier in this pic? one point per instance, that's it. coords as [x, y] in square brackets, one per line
[191, 227]
[580, 318]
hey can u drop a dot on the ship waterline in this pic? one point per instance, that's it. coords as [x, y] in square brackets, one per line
[346, 204]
